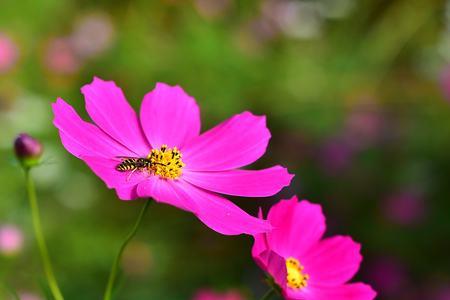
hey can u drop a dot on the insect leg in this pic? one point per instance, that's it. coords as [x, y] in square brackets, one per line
[131, 173]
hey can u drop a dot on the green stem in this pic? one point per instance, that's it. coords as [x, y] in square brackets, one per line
[269, 294]
[40, 238]
[115, 266]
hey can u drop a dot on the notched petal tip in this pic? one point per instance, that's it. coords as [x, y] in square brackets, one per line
[284, 175]
[98, 82]
[169, 116]
[248, 113]
[59, 107]
[163, 85]
[246, 183]
[262, 119]
[58, 103]
[353, 246]
[96, 78]
[58, 100]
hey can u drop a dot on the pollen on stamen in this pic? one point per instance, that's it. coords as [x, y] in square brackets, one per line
[295, 277]
[166, 162]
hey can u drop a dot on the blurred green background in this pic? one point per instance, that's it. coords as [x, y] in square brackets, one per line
[355, 96]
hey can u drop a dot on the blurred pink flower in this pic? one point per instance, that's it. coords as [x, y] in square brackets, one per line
[335, 155]
[11, 239]
[92, 35]
[8, 53]
[388, 276]
[60, 57]
[207, 294]
[163, 155]
[363, 126]
[262, 30]
[404, 207]
[445, 82]
[304, 265]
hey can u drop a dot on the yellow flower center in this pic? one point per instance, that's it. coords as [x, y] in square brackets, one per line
[295, 278]
[166, 162]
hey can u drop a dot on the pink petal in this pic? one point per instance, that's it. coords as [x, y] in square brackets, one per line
[276, 267]
[169, 116]
[247, 183]
[333, 261]
[166, 191]
[234, 143]
[352, 291]
[260, 246]
[127, 192]
[82, 138]
[124, 183]
[223, 215]
[273, 264]
[109, 109]
[216, 212]
[297, 227]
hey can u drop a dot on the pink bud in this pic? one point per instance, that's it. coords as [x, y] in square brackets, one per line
[28, 149]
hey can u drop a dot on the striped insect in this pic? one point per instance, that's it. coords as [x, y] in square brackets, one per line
[133, 164]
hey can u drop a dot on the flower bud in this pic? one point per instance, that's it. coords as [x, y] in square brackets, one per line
[28, 150]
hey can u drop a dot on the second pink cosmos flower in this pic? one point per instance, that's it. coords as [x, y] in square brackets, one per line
[303, 264]
[178, 165]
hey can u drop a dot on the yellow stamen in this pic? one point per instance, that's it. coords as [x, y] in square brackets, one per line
[166, 162]
[295, 277]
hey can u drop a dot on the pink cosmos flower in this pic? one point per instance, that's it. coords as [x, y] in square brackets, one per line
[163, 155]
[406, 207]
[207, 294]
[304, 265]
